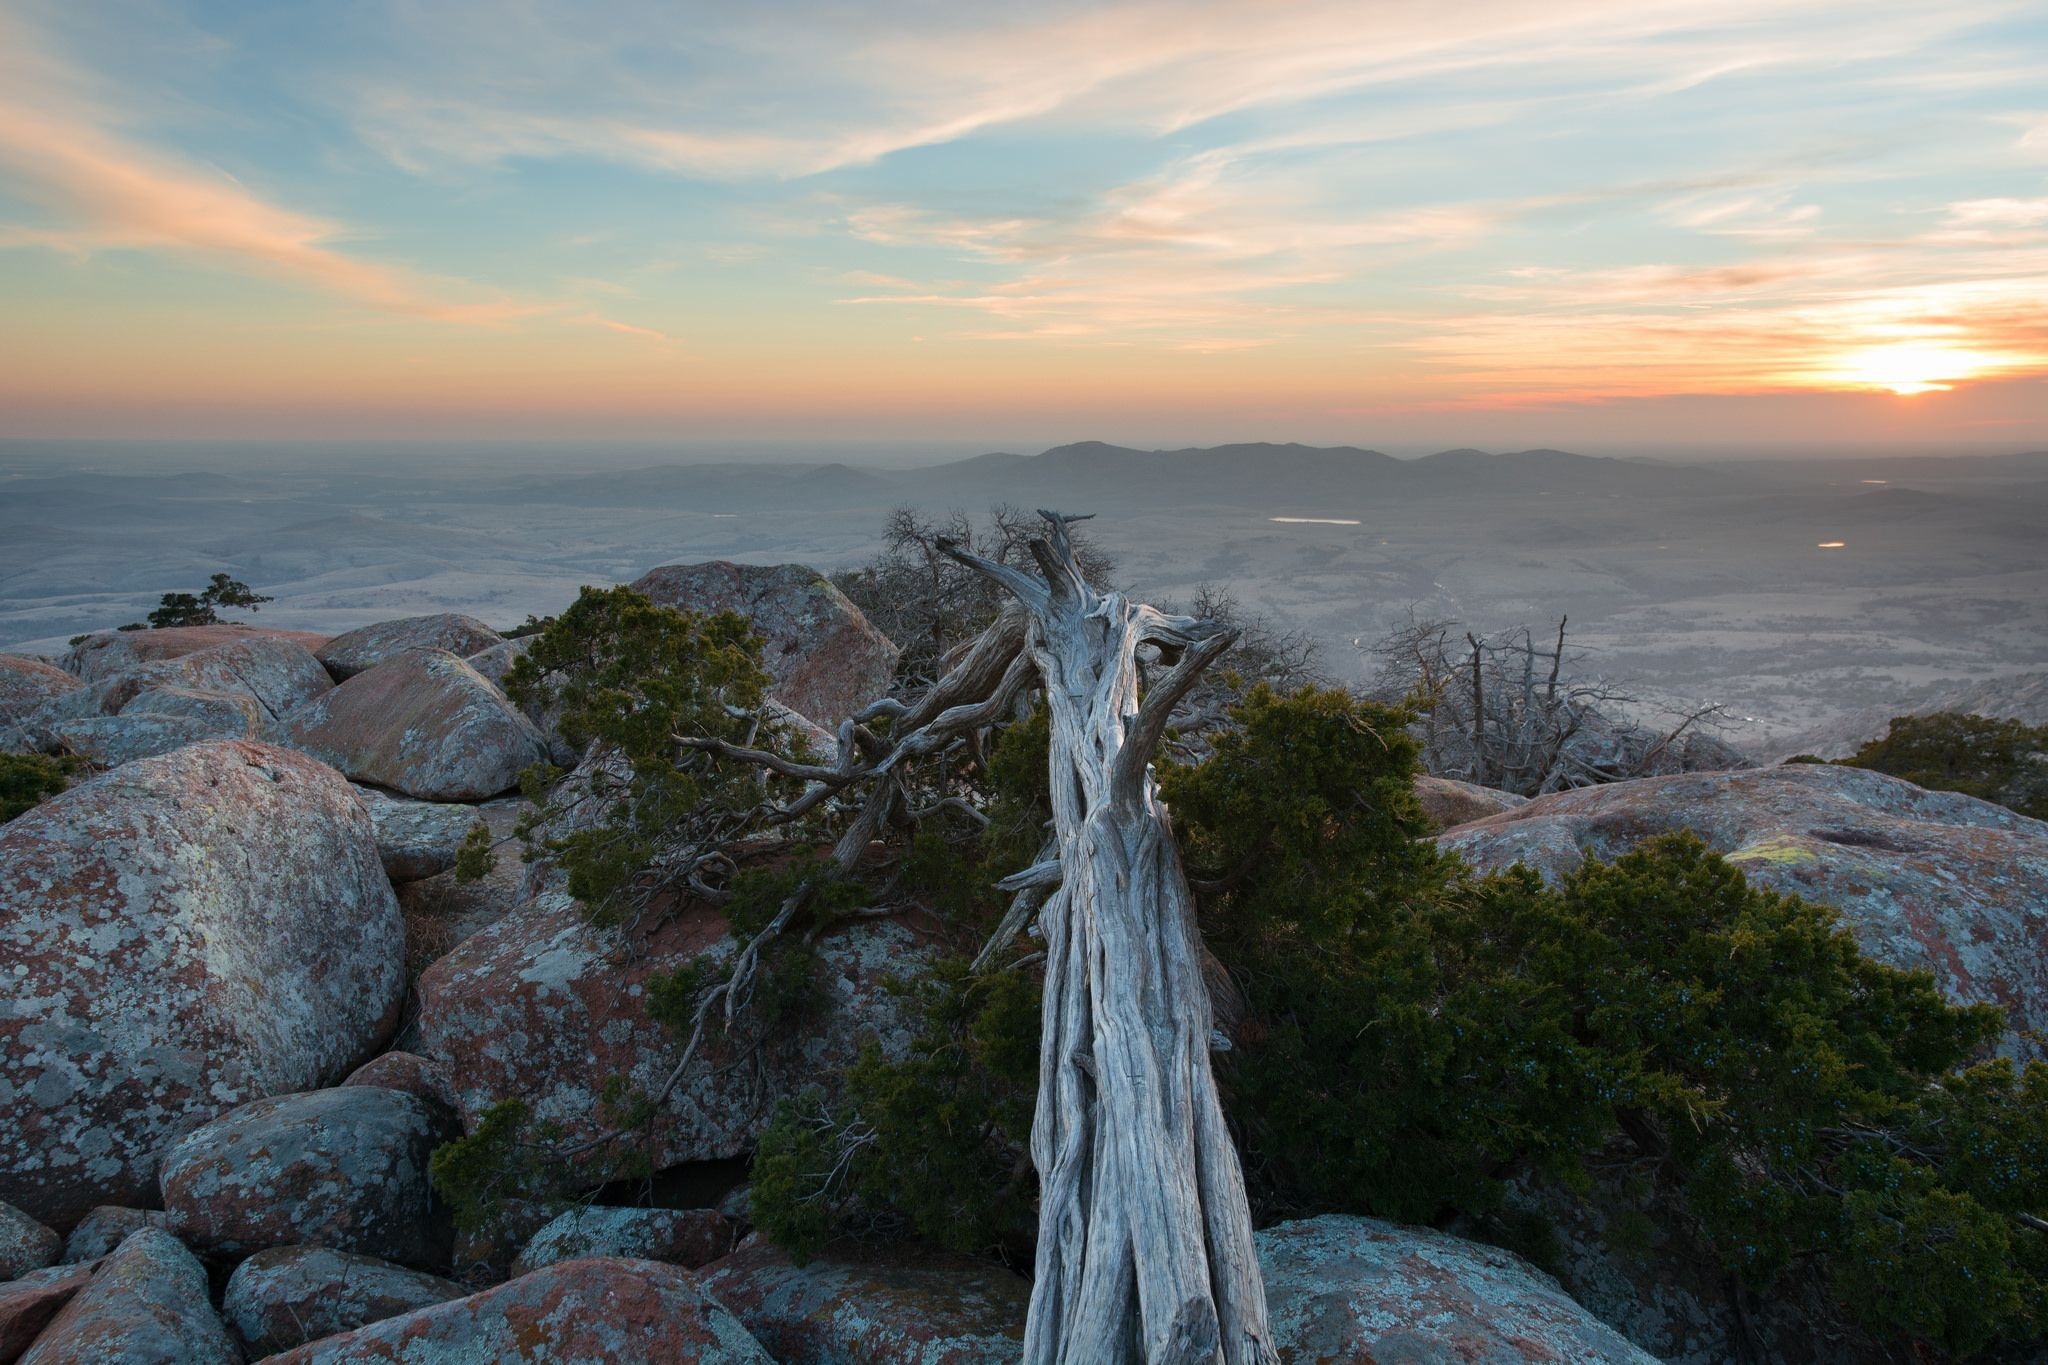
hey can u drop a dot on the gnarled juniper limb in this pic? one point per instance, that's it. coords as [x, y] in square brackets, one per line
[1145, 1247]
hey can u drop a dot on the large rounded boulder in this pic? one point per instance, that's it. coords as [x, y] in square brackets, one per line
[424, 723]
[1924, 879]
[1345, 1288]
[824, 658]
[107, 652]
[27, 685]
[547, 1008]
[359, 651]
[287, 1296]
[146, 1305]
[181, 935]
[596, 1312]
[343, 1168]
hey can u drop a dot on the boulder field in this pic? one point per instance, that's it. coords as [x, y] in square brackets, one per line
[1924, 879]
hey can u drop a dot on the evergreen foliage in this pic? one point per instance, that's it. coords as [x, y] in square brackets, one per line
[626, 675]
[27, 780]
[1994, 760]
[201, 609]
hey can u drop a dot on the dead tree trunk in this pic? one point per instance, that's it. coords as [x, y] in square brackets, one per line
[1145, 1248]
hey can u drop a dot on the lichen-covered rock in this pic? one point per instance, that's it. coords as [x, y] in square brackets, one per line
[105, 1228]
[684, 1237]
[28, 684]
[1448, 802]
[230, 715]
[495, 662]
[593, 1312]
[287, 1296]
[423, 723]
[25, 1244]
[544, 1007]
[108, 652]
[279, 675]
[416, 839]
[28, 1304]
[146, 1305]
[410, 1072]
[343, 1168]
[1358, 1289]
[180, 935]
[110, 741]
[362, 650]
[825, 658]
[1924, 879]
[896, 1306]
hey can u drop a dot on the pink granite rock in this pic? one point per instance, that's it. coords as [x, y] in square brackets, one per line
[1923, 879]
[287, 1296]
[361, 650]
[594, 1312]
[423, 723]
[1357, 1289]
[180, 935]
[343, 1168]
[146, 1305]
[543, 1007]
[826, 659]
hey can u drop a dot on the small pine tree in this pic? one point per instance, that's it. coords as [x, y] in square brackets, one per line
[202, 609]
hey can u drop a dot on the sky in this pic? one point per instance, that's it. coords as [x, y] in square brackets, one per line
[1602, 222]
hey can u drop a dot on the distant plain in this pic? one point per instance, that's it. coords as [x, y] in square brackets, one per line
[1703, 582]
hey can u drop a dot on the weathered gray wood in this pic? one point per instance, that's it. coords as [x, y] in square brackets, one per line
[1145, 1248]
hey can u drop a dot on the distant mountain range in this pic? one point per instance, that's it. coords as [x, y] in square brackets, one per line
[1098, 475]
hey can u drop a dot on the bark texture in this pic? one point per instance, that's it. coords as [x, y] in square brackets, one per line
[1145, 1249]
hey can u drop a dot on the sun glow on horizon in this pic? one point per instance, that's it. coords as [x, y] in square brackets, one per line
[1912, 368]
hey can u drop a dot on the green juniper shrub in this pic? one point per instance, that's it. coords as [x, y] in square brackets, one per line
[1995, 760]
[27, 780]
[933, 1144]
[1427, 1033]
[505, 1156]
[622, 672]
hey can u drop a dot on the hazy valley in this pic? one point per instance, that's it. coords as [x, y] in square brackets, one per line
[1690, 582]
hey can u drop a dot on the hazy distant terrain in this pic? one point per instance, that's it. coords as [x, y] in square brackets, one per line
[1700, 582]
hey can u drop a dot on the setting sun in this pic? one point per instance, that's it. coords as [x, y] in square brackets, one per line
[1912, 369]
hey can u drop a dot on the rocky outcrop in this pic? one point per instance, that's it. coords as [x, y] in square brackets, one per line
[28, 1304]
[684, 1237]
[852, 1303]
[424, 724]
[416, 839]
[2022, 697]
[229, 715]
[544, 1007]
[410, 1072]
[495, 662]
[110, 741]
[1923, 879]
[288, 1296]
[1448, 802]
[116, 651]
[826, 660]
[343, 1168]
[105, 1228]
[594, 1312]
[1344, 1288]
[280, 675]
[147, 1305]
[25, 1244]
[183, 934]
[361, 650]
[27, 685]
